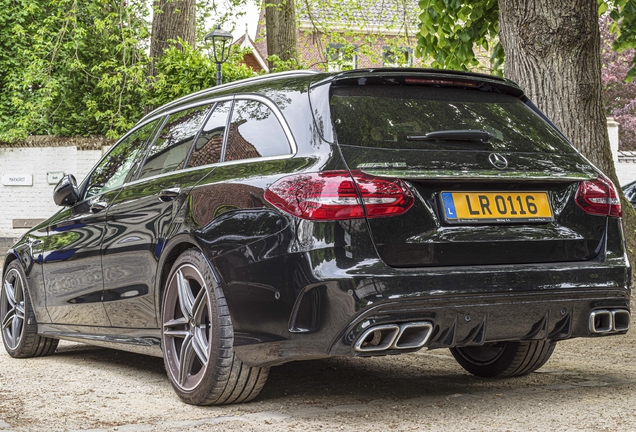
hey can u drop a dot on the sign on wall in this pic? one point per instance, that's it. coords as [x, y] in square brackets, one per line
[17, 179]
[54, 177]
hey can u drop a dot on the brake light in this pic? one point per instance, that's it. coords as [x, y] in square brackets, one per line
[339, 195]
[599, 197]
[442, 82]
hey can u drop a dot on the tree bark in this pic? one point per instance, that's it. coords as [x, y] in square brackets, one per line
[280, 22]
[171, 19]
[553, 52]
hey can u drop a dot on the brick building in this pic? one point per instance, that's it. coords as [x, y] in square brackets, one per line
[255, 59]
[352, 34]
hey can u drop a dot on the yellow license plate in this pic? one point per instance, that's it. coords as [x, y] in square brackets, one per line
[499, 207]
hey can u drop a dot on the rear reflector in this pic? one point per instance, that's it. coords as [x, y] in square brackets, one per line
[599, 197]
[339, 195]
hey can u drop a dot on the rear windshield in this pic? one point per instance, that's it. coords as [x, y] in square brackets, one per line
[383, 116]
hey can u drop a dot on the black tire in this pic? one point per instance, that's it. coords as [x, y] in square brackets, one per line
[504, 359]
[189, 325]
[17, 319]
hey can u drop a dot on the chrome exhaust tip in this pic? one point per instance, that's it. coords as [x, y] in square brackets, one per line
[413, 335]
[620, 320]
[377, 338]
[601, 321]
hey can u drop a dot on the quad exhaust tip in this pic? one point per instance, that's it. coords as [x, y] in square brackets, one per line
[394, 336]
[609, 321]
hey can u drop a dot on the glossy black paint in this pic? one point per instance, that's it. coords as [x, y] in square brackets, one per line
[66, 192]
[298, 289]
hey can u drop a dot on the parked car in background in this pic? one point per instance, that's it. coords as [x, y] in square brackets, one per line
[630, 192]
[309, 215]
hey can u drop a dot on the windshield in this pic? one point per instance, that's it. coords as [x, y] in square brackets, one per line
[384, 116]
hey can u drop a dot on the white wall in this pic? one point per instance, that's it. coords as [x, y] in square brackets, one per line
[36, 202]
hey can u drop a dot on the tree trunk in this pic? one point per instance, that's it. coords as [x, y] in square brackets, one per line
[171, 19]
[553, 52]
[280, 22]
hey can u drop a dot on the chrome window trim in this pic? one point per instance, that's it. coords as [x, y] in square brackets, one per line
[211, 101]
[211, 107]
[227, 86]
[269, 103]
[209, 166]
[279, 116]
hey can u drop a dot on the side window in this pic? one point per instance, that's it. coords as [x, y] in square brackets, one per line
[174, 141]
[122, 163]
[207, 149]
[254, 132]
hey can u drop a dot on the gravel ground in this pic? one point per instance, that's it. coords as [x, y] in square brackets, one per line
[588, 384]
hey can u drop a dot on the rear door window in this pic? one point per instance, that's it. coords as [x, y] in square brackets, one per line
[207, 150]
[254, 132]
[383, 116]
[173, 143]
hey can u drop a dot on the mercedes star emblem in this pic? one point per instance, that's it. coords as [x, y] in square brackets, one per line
[498, 161]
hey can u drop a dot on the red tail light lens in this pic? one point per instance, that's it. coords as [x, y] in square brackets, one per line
[599, 197]
[332, 195]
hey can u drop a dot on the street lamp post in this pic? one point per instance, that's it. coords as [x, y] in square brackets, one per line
[221, 42]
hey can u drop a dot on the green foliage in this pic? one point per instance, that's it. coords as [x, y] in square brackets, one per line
[451, 30]
[70, 67]
[623, 14]
[183, 70]
[279, 65]
[81, 68]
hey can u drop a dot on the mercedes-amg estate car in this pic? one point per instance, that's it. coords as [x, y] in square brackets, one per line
[308, 215]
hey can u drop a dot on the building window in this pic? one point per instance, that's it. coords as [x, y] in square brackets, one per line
[342, 57]
[397, 57]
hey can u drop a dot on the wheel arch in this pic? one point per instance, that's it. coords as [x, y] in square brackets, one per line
[8, 259]
[173, 249]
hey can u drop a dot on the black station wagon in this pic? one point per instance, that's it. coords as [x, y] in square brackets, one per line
[308, 215]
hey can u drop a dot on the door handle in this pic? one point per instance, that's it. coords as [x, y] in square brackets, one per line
[169, 194]
[97, 206]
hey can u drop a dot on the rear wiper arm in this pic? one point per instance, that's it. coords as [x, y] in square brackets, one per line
[453, 135]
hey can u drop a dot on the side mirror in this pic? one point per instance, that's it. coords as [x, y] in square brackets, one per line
[65, 192]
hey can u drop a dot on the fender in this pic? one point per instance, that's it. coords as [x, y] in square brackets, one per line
[23, 252]
[171, 250]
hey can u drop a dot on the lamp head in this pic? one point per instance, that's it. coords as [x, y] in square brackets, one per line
[218, 42]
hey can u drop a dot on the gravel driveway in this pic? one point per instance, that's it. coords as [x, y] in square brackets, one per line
[589, 384]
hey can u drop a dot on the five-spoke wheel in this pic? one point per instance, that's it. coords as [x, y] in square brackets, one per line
[19, 328]
[12, 308]
[197, 338]
[186, 327]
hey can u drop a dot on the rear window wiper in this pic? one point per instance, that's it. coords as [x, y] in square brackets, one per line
[453, 135]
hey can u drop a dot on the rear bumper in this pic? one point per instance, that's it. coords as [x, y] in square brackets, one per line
[466, 306]
[478, 319]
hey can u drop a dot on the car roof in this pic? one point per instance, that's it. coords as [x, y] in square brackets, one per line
[316, 77]
[223, 89]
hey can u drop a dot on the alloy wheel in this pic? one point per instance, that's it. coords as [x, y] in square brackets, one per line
[12, 308]
[186, 327]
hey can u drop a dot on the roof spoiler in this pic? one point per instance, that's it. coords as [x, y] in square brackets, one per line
[418, 76]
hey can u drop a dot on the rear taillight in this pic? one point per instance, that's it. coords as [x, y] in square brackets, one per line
[599, 197]
[333, 195]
